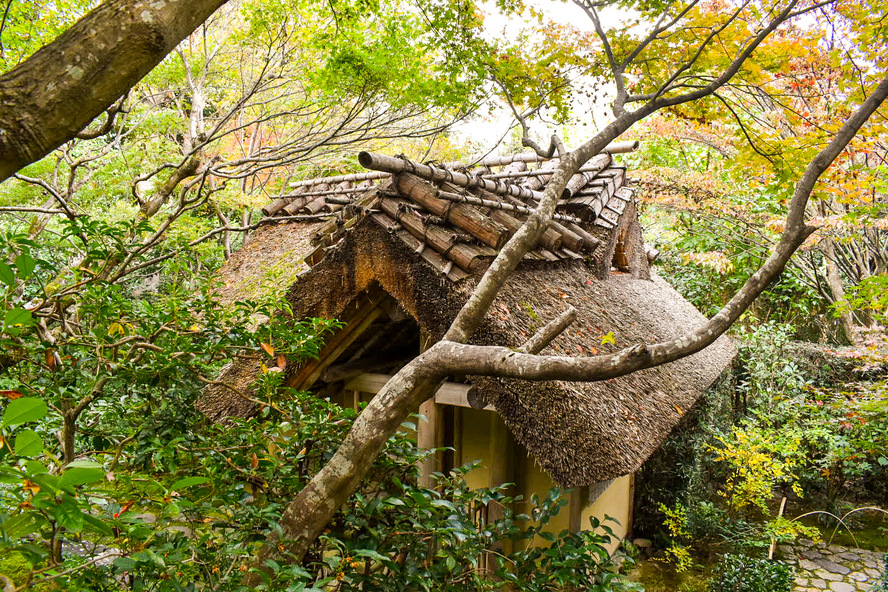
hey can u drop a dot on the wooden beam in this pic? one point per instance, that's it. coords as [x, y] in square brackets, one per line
[356, 324]
[449, 393]
[577, 502]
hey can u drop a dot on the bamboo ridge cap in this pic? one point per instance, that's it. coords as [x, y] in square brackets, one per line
[394, 165]
[612, 148]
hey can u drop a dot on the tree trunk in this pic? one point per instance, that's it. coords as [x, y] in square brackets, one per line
[837, 289]
[60, 89]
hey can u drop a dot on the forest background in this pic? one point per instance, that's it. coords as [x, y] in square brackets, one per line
[111, 479]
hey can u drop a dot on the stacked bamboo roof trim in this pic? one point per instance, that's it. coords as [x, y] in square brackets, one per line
[458, 218]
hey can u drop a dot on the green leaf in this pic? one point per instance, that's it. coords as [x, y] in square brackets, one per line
[68, 515]
[22, 411]
[18, 316]
[188, 482]
[440, 503]
[25, 265]
[7, 275]
[46, 481]
[370, 554]
[124, 564]
[149, 556]
[35, 467]
[21, 525]
[81, 474]
[28, 443]
[97, 525]
[883, 461]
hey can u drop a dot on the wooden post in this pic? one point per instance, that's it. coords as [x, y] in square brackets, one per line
[427, 436]
[501, 457]
[428, 433]
[576, 504]
[631, 520]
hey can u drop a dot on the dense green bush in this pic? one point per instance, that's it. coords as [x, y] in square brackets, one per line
[744, 574]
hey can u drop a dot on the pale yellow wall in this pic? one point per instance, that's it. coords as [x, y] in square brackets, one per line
[615, 502]
[475, 445]
[537, 482]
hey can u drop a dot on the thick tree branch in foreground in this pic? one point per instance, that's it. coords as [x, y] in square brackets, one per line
[46, 100]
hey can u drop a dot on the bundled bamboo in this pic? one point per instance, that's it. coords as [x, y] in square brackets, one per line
[278, 204]
[651, 253]
[591, 242]
[550, 239]
[463, 217]
[595, 165]
[295, 205]
[340, 178]
[569, 239]
[398, 165]
[333, 205]
[350, 216]
[624, 194]
[432, 257]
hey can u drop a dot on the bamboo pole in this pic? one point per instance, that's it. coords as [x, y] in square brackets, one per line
[462, 216]
[497, 205]
[466, 256]
[612, 148]
[339, 178]
[536, 173]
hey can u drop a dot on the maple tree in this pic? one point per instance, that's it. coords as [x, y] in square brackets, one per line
[688, 59]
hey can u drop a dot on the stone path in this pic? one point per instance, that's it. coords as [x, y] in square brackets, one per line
[822, 567]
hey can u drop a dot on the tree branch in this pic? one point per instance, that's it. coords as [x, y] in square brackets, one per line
[106, 53]
[550, 331]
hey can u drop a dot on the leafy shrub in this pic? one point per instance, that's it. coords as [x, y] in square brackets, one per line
[743, 574]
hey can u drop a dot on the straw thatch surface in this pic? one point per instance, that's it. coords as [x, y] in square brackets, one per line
[580, 433]
[268, 263]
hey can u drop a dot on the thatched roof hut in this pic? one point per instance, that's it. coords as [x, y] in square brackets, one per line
[400, 258]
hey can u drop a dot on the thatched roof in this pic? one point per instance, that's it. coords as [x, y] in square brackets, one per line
[580, 433]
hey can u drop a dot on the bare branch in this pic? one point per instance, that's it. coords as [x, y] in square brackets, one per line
[550, 331]
[30, 210]
[106, 127]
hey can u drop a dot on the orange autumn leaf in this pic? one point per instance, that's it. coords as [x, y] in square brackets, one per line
[282, 362]
[11, 394]
[267, 348]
